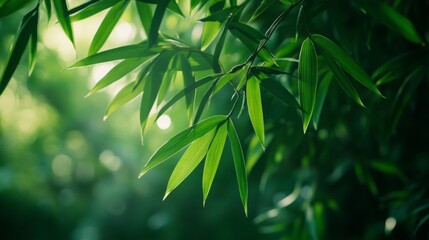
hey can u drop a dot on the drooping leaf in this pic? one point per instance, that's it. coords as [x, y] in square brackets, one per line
[343, 79]
[189, 161]
[213, 158]
[344, 61]
[219, 48]
[92, 9]
[239, 164]
[9, 7]
[117, 72]
[28, 24]
[226, 78]
[219, 16]
[280, 92]
[48, 7]
[269, 71]
[248, 31]
[107, 25]
[63, 17]
[262, 8]
[174, 7]
[210, 31]
[254, 107]
[320, 98]
[204, 100]
[165, 85]
[307, 83]
[145, 14]
[156, 21]
[125, 95]
[180, 141]
[188, 80]
[387, 168]
[33, 44]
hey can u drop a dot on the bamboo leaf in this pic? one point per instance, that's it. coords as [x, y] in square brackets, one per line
[344, 61]
[307, 84]
[63, 17]
[156, 21]
[254, 152]
[320, 98]
[174, 7]
[204, 100]
[189, 161]
[387, 168]
[280, 92]
[48, 7]
[92, 9]
[12, 6]
[226, 78]
[107, 25]
[247, 30]
[180, 141]
[125, 95]
[188, 80]
[145, 14]
[262, 8]
[210, 31]
[33, 44]
[116, 73]
[239, 164]
[254, 106]
[219, 16]
[25, 30]
[213, 158]
[342, 79]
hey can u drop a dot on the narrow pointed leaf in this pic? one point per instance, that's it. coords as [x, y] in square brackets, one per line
[124, 96]
[254, 106]
[321, 96]
[180, 141]
[12, 6]
[193, 4]
[344, 61]
[189, 161]
[165, 86]
[227, 78]
[239, 163]
[252, 46]
[262, 8]
[213, 158]
[188, 80]
[63, 17]
[92, 9]
[33, 44]
[174, 7]
[107, 25]
[219, 16]
[48, 7]
[280, 92]
[156, 21]
[205, 100]
[343, 80]
[248, 31]
[116, 73]
[210, 31]
[307, 84]
[145, 14]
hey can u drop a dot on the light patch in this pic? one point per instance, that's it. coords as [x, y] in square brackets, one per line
[62, 165]
[197, 33]
[389, 224]
[99, 71]
[164, 122]
[110, 160]
[124, 32]
[55, 39]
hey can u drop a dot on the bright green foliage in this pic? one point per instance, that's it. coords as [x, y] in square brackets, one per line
[254, 106]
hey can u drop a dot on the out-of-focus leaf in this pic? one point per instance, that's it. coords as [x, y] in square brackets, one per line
[219, 16]
[342, 79]
[252, 46]
[255, 151]
[63, 17]
[247, 30]
[91, 10]
[131, 51]
[28, 24]
[193, 4]
[320, 98]
[180, 141]
[344, 61]
[201, 61]
[124, 96]
[189, 161]
[387, 168]
[183, 92]
[210, 31]
[48, 7]
[213, 158]
[392, 19]
[107, 25]
[307, 84]
[188, 80]
[299, 21]
[117, 72]
[239, 163]
[33, 44]
[145, 14]
[421, 222]
[174, 7]
[280, 92]
[165, 85]
[262, 8]
[12, 6]
[156, 21]
[254, 106]
[268, 70]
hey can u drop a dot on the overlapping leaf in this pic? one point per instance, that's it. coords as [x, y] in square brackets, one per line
[63, 17]
[254, 107]
[156, 21]
[280, 92]
[320, 98]
[91, 9]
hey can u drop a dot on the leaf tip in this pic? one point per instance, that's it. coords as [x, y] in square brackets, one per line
[166, 195]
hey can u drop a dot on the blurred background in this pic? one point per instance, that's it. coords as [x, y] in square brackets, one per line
[67, 174]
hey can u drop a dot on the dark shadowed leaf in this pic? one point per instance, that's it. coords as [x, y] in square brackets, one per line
[156, 21]
[48, 7]
[280, 92]
[254, 106]
[320, 98]
[63, 17]
[188, 80]
[9, 7]
[92, 9]
[262, 8]
[219, 16]
[33, 44]
[145, 14]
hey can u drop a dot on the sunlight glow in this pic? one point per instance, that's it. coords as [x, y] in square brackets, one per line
[124, 32]
[164, 122]
[110, 160]
[62, 165]
[389, 225]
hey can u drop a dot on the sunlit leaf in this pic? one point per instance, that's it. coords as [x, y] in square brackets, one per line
[219, 16]
[124, 96]
[92, 9]
[307, 84]
[213, 158]
[344, 61]
[156, 21]
[227, 78]
[189, 80]
[145, 14]
[210, 31]
[63, 17]
[174, 7]
[204, 100]
[107, 25]
[320, 98]
[280, 92]
[343, 79]
[254, 106]
[180, 141]
[189, 161]
[239, 163]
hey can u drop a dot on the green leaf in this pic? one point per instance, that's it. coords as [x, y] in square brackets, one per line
[63, 17]
[189, 161]
[117, 72]
[174, 7]
[320, 98]
[183, 92]
[92, 9]
[210, 31]
[254, 106]
[228, 78]
[180, 141]
[125, 95]
[12, 6]
[281, 93]
[131, 51]
[342, 79]
[269, 71]
[262, 8]
[156, 21]
[344, 61]
[26, 28]
[307, 84]
[48, 7]
[239, 163]
[219, 16]
[165, 85]
[145, 14]
[204, 100]
[213, 158]
[387, 168]
[33, 44]
[255, 151]
[107, 25]
[188, 80]
[392, 19]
